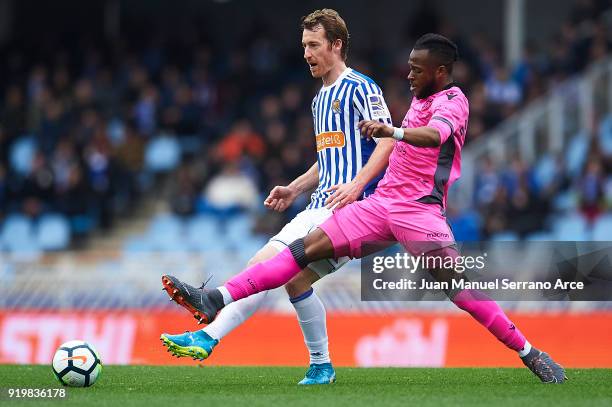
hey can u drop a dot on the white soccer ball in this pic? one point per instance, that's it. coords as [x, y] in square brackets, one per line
[77, 364]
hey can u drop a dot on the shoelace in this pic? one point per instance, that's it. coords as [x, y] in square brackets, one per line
[204, 283]
[315, 372]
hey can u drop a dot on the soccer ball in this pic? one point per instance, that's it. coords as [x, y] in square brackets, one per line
[77, 364]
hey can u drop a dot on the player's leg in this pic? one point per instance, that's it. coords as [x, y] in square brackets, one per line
[346, 239]
[423, 228]
[274, 272]
[311, 316]
[490, 315]
[237, 312]
[200, 344]
[341, 235]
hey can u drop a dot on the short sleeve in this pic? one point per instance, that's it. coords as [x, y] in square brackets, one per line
[372, 105]
[448, 117]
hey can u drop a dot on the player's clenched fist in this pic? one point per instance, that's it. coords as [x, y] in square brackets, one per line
[373, 128]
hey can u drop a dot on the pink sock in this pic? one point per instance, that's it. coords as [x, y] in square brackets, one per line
[488, 313]
[263, 276]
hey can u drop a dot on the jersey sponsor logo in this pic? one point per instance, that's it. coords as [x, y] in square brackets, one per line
[336, 106]
[330, 139]
[377, 106]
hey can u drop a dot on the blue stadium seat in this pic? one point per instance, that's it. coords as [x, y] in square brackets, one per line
[466, 226]
[576, 154]
[238, 228]
[16, 228]
[602, 229]
[18, 239]
[544, 172]
[204, 234]
[162, 154]
[136, 245]
[570, 227]
[82, 224]
[116, 131]
[166, 233]
[506, 236]
[605, 135]
[540, 237]
[565, 201]
[22, 153]
[53, 232]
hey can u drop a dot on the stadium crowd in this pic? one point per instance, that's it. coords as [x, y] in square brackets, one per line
[77, 127]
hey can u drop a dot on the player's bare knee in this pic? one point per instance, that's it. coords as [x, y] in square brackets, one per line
[267, 252]
[318, 246]
[297, 286]
[301, 283]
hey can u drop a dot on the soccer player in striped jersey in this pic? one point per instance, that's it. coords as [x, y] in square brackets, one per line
[348, 168]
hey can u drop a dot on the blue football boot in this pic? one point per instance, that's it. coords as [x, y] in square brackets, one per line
[196, 345]
[322, 373]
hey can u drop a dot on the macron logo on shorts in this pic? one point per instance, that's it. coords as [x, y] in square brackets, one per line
[437, 235]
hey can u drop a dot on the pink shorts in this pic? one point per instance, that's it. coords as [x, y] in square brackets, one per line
[419, 227]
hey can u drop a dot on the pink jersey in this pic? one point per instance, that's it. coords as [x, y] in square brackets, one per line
[424, 174]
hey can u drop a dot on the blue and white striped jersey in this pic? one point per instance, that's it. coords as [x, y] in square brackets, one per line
[336, 110]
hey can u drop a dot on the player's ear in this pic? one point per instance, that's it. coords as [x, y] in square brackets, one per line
[441, 70]
[337, 45]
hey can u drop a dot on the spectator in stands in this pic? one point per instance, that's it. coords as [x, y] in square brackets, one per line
[3, 191]
[183, 193]
[13, 115]
[75, 197]
[231, 189]
[38, 187]
[146, 110]
[241, 141]
[501, 89]
[591, 189]
[68, 104]
[5, 143]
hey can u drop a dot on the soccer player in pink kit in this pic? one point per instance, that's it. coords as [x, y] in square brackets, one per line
[408, 205]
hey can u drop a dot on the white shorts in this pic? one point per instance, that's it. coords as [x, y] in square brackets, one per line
[304, 223]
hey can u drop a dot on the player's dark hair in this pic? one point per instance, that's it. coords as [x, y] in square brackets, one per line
[440, 47]
[332, 23]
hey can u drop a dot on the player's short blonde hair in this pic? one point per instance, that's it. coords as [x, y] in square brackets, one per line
[332, 23]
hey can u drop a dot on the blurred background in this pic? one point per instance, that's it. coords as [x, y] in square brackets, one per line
[140, 137]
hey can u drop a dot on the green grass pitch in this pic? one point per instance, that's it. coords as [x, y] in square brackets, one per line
[126, 386]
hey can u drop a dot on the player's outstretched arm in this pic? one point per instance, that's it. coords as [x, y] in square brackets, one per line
[281, 197]
[418, 136]
[345, 194]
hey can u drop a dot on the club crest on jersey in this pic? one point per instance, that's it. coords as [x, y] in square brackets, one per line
[336, 106]
[377, 106]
